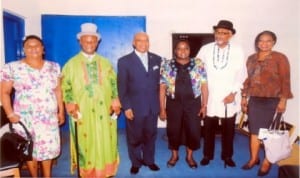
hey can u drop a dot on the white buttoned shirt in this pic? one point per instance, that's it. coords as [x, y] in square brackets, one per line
[223, 79]
[143, 57]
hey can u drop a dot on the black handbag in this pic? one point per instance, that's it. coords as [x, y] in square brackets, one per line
[15, 148]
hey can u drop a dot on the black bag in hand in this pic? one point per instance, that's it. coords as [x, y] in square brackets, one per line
[15, 148]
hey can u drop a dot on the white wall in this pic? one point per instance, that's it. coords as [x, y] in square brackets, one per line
[193, 16]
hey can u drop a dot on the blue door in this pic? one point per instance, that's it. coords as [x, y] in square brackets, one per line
[13, 28]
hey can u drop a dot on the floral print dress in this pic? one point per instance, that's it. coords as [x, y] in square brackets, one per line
[35, 102]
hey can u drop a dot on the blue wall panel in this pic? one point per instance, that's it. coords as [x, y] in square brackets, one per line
[59, 35]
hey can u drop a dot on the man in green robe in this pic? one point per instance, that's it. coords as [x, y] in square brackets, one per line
[90, 96]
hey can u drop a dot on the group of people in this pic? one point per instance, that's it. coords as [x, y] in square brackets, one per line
[213, 87]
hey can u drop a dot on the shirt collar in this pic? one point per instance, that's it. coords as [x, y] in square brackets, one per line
[139, 53]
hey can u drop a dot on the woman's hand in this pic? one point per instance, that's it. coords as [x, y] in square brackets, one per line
[13, 118]
[163, 115]
[5, 97]
[61, 118]
[202, 112]
[281, 105]
[244, 105]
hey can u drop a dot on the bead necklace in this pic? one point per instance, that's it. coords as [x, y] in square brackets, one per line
[220, 63]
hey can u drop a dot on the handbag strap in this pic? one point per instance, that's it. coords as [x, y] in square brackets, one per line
[276, 123]
[26, 131]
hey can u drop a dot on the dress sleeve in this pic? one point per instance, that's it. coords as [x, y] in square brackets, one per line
[284, 73]
[246, 83]
[58, 70]
[6, 73]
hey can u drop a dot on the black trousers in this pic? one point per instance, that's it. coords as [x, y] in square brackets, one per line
[183, 123]
[227, 131]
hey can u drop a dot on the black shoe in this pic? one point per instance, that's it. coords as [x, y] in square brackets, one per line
[263, 173]
[172, 162]
[229, 162]
[249, 166]
[153, 167]
[134, 170]
[204, 161]
[192, 164]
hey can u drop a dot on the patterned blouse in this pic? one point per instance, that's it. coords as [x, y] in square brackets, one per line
[168, 72]
[268, 78]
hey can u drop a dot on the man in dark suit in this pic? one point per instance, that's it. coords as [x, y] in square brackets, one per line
[138, 87]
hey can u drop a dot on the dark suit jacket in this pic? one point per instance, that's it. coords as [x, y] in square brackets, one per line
[137, 88]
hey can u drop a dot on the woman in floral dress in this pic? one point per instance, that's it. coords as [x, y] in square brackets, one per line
[37, 102]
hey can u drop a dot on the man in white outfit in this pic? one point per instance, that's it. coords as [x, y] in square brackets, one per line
[226, 71]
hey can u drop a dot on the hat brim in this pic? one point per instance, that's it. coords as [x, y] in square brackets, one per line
[80, 34]
[220, 26]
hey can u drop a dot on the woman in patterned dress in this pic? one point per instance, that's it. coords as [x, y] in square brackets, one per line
[37, 102]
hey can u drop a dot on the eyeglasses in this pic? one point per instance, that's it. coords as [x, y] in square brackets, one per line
[221, 33]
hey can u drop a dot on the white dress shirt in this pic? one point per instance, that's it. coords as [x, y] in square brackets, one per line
[144, 58]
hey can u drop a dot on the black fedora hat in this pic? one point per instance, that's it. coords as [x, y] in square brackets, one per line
[225, 24]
